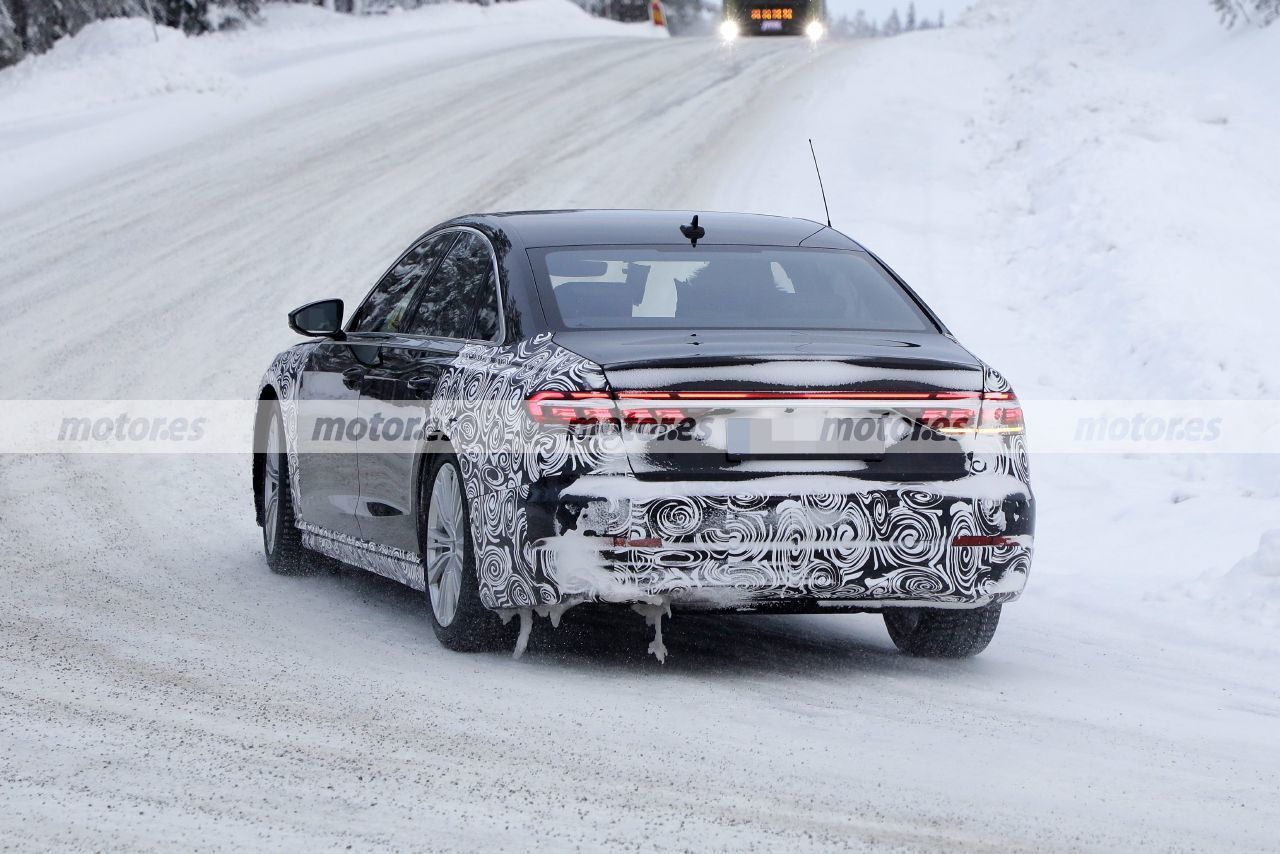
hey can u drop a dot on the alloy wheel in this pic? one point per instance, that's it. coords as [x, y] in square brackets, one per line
[445, 544]
[271, 487]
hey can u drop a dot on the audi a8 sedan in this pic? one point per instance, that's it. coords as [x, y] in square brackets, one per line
[660, 409]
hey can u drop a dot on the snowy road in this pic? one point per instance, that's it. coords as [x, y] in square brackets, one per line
[161, 688]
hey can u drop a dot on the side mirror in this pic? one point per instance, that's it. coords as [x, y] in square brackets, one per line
[319, 320]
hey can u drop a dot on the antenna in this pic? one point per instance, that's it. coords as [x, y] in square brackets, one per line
[693, 232]
[820, 187]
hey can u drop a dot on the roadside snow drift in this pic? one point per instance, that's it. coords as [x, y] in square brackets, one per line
[120, 89]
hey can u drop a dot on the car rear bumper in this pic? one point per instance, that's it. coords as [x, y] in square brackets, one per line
[772, 543]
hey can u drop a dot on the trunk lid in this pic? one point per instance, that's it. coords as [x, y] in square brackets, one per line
[726, 403]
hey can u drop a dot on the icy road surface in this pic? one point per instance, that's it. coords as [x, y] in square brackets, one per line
[162, 689]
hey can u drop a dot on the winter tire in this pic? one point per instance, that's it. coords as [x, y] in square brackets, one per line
[460, 621]
[280, 537]
[942, 632]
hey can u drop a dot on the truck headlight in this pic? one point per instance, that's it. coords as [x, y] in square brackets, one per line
[729, 30]
[814, 30]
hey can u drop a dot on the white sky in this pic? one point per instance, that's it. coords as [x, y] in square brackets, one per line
[880, 9]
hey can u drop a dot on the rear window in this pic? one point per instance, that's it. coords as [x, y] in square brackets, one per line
[637, 287]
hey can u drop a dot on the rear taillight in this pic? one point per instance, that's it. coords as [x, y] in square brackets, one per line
[945, 420]
[583, 408]
[997, 412]
[949, 412]
[571, 408]
[634, 413]
[1001, 413]
[798, 395]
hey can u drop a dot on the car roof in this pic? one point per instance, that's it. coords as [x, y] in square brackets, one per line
[593, 227]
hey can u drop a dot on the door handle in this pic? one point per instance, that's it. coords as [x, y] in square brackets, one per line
[353, 378]
[425, 385]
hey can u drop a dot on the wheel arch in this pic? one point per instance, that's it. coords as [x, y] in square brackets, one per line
[261, 420]
[434, 445]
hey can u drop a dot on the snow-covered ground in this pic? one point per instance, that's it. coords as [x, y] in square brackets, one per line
[1085, 194]
[121, 90]
[1089, 201]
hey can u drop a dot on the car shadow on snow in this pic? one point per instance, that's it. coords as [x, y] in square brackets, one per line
[701, 643]
[606, 636]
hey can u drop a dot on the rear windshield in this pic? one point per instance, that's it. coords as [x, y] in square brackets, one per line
[638, 287]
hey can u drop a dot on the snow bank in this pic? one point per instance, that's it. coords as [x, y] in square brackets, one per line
[112, 61]
[1248, 591]
[120, 89]
[126, 59]
[1087, 194]
[1255, 581]
[1136, 152]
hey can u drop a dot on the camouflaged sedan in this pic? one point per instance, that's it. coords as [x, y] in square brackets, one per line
[648, 408]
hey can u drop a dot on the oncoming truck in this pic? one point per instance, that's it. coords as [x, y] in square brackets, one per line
[782, 18]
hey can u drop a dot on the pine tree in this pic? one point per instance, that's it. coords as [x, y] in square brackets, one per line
[37, 24]
[1268, 11]
[10, 42]
[32, 26]
[247, 8]
[861, 29]
[1228, 12]
[893, 26]
[942, 19]
[190, 16]
[911, 18]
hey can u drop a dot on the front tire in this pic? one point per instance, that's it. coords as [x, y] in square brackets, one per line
[942, 632]
[459, 619]
[281, 540]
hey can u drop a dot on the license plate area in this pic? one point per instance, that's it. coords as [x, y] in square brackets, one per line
[721, 431]
[790, 429]
[813, 434]
[770, 26]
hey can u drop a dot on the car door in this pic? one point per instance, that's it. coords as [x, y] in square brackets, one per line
[455, 305]
[330, 423]
[328, 394]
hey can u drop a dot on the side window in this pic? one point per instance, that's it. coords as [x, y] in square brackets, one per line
[486, 328]
[384, 309]
[460, 300]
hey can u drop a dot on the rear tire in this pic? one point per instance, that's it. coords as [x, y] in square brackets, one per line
[281, 539]
[942, 632]
[459, 619]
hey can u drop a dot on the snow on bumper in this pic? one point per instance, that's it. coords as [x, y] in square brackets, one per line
[822, 541]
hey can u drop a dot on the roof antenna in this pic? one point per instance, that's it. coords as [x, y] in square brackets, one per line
[820, 187]
[693, 231]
